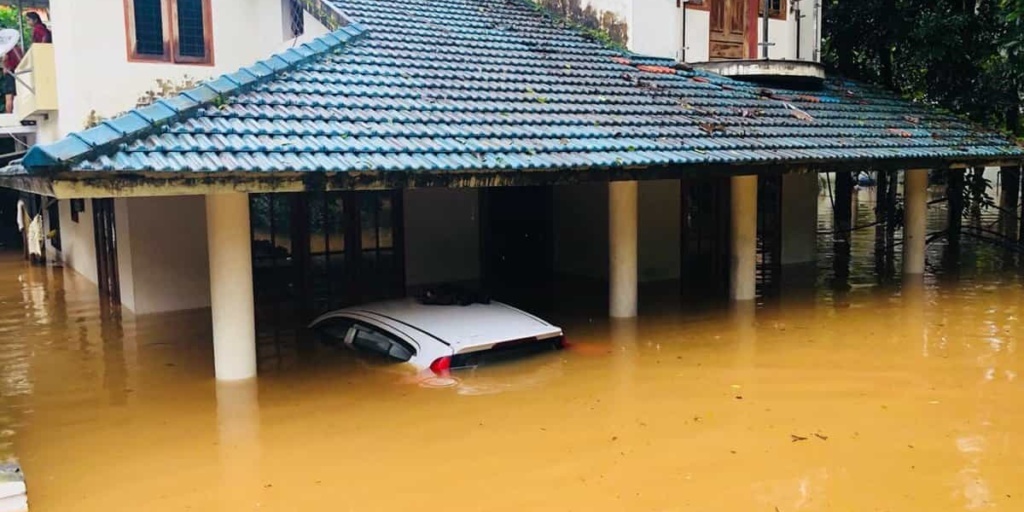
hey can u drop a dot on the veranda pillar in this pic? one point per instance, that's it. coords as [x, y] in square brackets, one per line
[915, 189]
[231, 288]
[622, 249]
[743, 238]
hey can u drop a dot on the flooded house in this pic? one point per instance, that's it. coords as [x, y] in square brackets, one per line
[272, 159]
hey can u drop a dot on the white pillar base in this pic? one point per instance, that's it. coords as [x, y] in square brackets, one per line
[743, 239]
[622, 249]
[915, 189]
[231, 288]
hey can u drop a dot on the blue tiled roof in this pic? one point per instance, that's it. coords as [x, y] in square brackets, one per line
[491, 85]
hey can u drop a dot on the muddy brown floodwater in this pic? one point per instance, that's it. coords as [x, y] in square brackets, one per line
[881, 398]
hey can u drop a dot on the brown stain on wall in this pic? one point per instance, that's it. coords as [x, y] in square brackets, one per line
[589, 17]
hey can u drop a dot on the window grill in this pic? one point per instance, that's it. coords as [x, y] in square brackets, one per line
[191, 31]
[297, 22]
[149, 27]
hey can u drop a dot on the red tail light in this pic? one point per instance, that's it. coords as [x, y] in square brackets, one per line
[564, 343]
[441, 365]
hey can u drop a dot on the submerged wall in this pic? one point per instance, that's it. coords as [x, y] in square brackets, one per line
[581, 230]
[77, 240]
[799, 218]
[162, 253]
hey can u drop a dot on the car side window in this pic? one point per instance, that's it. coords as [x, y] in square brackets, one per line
[372, 340]
[335, 329]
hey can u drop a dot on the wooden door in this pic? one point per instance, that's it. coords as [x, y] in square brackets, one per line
[105, 236]
[728, 29]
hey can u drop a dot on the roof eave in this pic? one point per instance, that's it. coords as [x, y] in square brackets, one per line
[89, 184]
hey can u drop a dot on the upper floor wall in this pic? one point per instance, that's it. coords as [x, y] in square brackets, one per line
[100, 71]
[656, 27]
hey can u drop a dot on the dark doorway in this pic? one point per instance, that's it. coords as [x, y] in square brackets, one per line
[705, 206]
[10, 237]
[516, 237]
[106, 249]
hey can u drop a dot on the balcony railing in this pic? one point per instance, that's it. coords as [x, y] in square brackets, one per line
[36, 78]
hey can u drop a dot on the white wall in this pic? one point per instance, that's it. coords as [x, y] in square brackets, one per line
[93, 72]
[656, 29]
[581, 230]
[799, 218]
[442, 236]
[660, 230]
[783, 34]
[162, 253]
[77, 240]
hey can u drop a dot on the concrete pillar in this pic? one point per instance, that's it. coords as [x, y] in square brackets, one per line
[915, 189]
[231, 292]
[622, 248]
[743, 238]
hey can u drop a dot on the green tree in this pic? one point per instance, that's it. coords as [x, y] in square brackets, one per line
[963, 55]
[9, 19]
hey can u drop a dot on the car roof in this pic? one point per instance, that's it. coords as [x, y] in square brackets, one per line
[458, 326]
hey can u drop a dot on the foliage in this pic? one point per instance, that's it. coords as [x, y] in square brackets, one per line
[962, 55]
[9, 19]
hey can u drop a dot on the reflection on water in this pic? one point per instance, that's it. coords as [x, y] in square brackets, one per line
[879, 397]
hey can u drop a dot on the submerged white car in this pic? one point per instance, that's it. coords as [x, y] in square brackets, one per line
[438, 337]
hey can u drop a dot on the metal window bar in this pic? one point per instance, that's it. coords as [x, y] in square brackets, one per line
[149, 27]
[191, 29]
[298, 23]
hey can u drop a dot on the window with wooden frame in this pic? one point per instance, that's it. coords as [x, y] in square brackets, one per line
[179, 31]
[776, 9]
